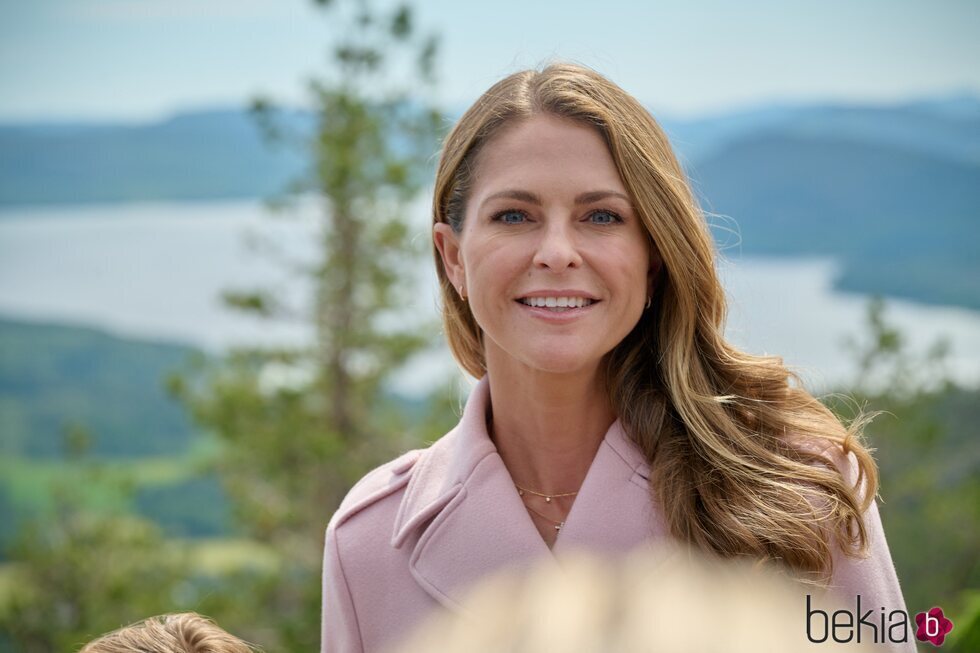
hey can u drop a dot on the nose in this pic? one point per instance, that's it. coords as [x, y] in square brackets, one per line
[557, 249]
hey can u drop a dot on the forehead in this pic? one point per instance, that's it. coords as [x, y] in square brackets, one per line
[549, 150]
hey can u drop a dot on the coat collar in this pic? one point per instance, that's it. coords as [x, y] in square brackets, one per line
[471, 521]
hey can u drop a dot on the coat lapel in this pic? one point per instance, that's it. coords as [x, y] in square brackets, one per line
[465, 520]
[613, 511]
[462, 499]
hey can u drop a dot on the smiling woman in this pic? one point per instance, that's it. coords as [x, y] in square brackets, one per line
[565, 247]
[579, 286]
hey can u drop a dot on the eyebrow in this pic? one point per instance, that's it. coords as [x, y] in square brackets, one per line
[581, 198]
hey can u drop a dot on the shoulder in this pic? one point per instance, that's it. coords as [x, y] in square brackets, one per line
[390, 496]
[380, 483]
[834, 455]
[357, 553]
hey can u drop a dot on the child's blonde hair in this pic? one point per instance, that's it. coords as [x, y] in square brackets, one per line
[185, 632]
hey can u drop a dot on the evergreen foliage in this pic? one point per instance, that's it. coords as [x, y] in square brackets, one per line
[293, 448]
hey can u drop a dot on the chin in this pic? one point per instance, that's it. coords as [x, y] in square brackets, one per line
[562, 361]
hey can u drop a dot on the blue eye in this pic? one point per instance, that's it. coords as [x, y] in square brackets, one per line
[504, 215]
[612, 217]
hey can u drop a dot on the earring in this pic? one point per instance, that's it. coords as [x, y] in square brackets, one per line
[649, 301]
[461, 291]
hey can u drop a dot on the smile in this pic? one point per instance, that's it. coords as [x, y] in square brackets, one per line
[556, 302]
[557, 309]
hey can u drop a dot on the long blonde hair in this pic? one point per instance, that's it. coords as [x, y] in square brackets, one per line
[737, 451]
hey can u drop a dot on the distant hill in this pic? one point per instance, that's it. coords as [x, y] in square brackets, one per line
[221, 153]
[203, 155]
[948, 127]
[902, 222]
[53, 378]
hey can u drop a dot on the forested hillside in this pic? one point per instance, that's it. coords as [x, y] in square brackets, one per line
[54, 379]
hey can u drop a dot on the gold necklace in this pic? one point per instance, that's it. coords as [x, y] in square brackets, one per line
[557, 524]
[521, 491]
[547, 497]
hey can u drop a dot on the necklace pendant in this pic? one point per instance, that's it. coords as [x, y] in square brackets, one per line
[547, 499]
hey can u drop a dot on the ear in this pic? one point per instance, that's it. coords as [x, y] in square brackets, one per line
[656, 264]
[447, 242]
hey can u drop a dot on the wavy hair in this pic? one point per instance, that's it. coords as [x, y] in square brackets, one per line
[738, 450]
[184, 632]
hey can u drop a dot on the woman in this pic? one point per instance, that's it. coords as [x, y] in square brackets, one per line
[579, 286]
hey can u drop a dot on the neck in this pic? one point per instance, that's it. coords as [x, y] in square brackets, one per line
[547, 428]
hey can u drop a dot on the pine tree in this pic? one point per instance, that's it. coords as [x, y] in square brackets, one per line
[293, 449]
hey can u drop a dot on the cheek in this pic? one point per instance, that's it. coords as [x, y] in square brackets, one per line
[493, 268]
[626, 268]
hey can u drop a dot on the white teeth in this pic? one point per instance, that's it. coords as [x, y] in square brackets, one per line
[557, 302]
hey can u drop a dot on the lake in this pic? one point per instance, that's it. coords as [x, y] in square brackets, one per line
[156, 271]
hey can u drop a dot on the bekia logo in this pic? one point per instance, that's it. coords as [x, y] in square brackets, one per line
[933, 626]
[875, 625]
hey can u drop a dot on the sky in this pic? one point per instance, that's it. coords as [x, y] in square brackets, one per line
[140, 60]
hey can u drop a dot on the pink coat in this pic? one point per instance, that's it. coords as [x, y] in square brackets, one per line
[417, 532]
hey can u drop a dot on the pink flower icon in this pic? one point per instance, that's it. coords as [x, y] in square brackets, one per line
[932, 626]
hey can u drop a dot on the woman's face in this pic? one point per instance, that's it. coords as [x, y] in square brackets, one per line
[548, 220]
